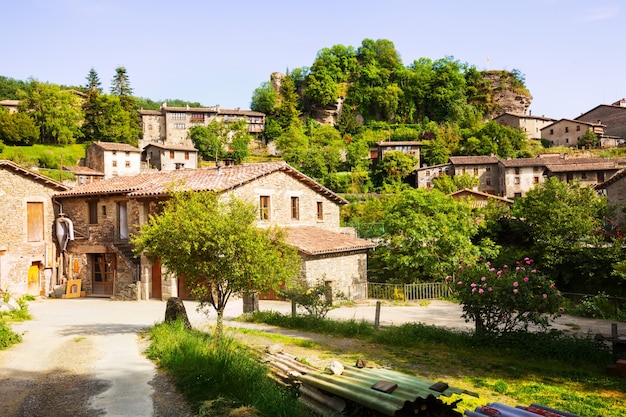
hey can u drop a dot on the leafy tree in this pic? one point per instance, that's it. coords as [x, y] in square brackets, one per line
[120, 84]
[239, 147]
[93, 82]
[288, 109]
[589, 140]
[120, 87]
[215, 244]
[561, 219]
[435, 152]
[9, 88]
[264, 99]
[210, 140]
[394, 167]
[447, 184]
[57, 113]
[17, 129]
[426, 234]
[504, 299]
[106, 120]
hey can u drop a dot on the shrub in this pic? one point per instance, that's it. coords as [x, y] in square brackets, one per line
[502, 300]
[317, 300]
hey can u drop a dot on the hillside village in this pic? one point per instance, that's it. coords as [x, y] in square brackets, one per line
[118, 186]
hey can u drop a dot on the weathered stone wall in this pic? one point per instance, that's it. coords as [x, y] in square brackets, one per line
[616, 195]
[17, 254]
[280, 187]
[346, 272]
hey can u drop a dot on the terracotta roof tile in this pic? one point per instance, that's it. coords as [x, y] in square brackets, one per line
[209, 179]
[6, 164]
[315, 241]
[114, 146]
[172, 147]
[473, 160]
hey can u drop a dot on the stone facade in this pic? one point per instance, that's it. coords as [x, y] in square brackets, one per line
[615, 190]
[28, 254]
[530, 125]
[113, 159]
[566, 132]
[343, 273]
[612, 116]
[169, 158]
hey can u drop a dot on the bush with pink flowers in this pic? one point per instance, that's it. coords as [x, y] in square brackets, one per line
[505, 298]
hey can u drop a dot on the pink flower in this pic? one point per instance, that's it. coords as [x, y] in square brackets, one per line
[480, 291]
[473, 290]
[492, 269]
[459, 283]
[515, 291]
[488, 263]
[499, 272]
[545, 296]
[561, 309]
[505, 266]
[534, 271]
[517, 268]
[516, 284]
[473, 284]
[489, 289]
[483, 279]
[448, 278]
[525, 279]
[460, 268]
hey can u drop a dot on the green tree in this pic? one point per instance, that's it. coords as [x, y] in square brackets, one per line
[394, 168]
[264, 99]
[589, 140]
[210, 140]
[57, 113]
[426, 233]
[561, 219]
[106, 120]
[215, 244]
[93, 82]
[17, 129]
[447, 184]
[239, 147]
[120, 87]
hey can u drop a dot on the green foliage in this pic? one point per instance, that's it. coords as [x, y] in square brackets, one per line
[589, 140]
[600, 306]
[216, 245]
[426, 234]
[208, 370]
[447, 184]
[106, 120]
[394, 167]
[210, 140]
[317, 299]
[50, 155]
[17, 129]
[502, 300]
[9, 88]
[57, 113]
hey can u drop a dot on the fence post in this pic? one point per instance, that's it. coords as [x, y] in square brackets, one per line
[377, 318]
[294, 308]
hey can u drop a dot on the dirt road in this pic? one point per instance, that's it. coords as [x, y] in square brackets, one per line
[83, 357]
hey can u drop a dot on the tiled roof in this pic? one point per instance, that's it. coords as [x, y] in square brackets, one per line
[150, 112]
[209, 179]
[399, 143]
[6, 164]
[473, 160]
[524, 162]
[114, 146]
[316, 241]
[241, 112]
[172, 147]
[468, 192]
[78, 170]
[525, 116]
[589, 166]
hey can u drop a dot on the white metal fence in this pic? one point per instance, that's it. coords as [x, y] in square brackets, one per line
[408, 292]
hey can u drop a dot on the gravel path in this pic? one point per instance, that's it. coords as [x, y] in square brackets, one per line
[83, 357]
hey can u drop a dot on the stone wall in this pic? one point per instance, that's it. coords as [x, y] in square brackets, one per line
[346, 273]
[17, 254]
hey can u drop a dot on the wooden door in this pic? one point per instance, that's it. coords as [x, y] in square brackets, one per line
[156, 279]
[103, 273]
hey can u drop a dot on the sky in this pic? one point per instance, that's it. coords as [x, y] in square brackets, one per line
[571, 52]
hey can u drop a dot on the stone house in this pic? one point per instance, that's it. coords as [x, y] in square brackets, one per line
[28, 255]
[529, 124]
[483, 167]
[518, 176]
[107, 213]
[615, 190]
[612, 116]
[426, 175]
[409, 147]
[566, 132]
[479, 199]
[169, 157]
[170, 125]
[113, 159]
[589, 171]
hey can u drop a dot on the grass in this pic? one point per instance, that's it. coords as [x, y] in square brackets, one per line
[211, 374]
[8, 337]
[553, 369]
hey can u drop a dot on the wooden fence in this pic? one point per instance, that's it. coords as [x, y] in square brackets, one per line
[408, 292]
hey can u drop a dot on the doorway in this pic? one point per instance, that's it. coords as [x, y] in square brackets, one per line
[122, 220]
[103, 273]
[156, 279]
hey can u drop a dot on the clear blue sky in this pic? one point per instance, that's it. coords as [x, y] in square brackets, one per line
[571, 52]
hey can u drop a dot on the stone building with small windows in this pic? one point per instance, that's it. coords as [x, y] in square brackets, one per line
[527, 123]
[108, 212]
[28, 255]
[113, 159]
[567, 132]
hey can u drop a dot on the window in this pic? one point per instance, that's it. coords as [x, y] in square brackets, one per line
[536, 180]
[566, 129]
[516, 171]
[463, 171]
[552, 131]
[583, 175]
[127, 164]
[488, 182]
[488, 169]
[171, 154]
[104, 210]
[264, 207]
[179, 125]
[566, 140]
[178, 116]
[517, 195]
[535, 169]
[295, 208]
[516, 180]
[93, 212]
[476, 172]
[320, 211]
[114, 163]
[578, 128]
[186, 156]
[34, 220]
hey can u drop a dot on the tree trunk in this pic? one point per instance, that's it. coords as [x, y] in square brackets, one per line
[250, 302]
[219, 326]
